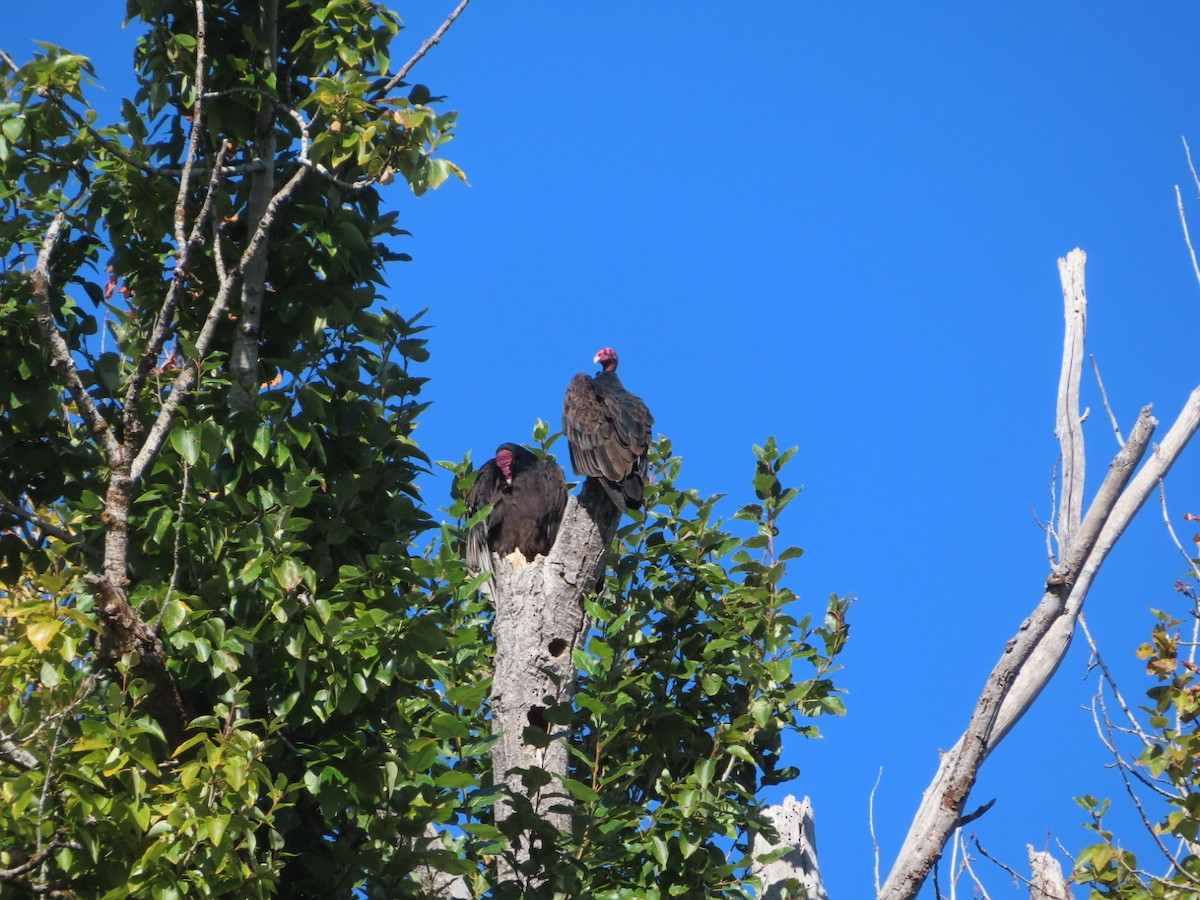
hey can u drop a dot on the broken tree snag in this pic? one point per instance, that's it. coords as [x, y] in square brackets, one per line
[1047, 881]
[794, 821]
[539, 622]
[1034, 653]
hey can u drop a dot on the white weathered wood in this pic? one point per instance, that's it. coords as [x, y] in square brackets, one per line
[1068, 426]
[1033, 655]
[793, 820]
[1046, 880]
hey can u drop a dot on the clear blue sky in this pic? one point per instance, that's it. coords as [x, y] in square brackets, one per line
[835, 223]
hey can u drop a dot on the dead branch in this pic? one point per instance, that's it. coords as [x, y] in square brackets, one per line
[1068, 425]
[1112, 418]
[1033, 655]
[1047, 882]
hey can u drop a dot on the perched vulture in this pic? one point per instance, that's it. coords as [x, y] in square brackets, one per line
[527, 496]
[608, 431]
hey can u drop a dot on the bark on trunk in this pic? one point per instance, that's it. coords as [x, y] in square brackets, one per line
[794, 821]
[539, 624]
[243, 357]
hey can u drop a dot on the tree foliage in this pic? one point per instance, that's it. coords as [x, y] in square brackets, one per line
[1162, 779]
[237, 655]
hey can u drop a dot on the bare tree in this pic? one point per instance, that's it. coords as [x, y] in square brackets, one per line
[1083, 542]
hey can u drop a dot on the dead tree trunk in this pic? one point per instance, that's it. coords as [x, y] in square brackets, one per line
[539, 624]
[794, 821]
[1034, 653]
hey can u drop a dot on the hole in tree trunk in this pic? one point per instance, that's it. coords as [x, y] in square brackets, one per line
[537, 719]
[557, 647]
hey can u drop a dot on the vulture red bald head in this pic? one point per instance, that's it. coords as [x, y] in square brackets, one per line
[527, 496]
[608, 430]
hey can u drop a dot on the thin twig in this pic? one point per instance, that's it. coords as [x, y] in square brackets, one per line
[1112, 682]
[980, 890]
[1104, 398]
[871, 824]
[429, 44]
[188, 375]
[1187, 238]
[189, 158]
[1188, 152]
[1017, 876]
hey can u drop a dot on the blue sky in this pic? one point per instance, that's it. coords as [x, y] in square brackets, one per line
[838, 224]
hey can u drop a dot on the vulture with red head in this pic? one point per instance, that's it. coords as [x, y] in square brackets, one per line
[527, 496]
[608, 430]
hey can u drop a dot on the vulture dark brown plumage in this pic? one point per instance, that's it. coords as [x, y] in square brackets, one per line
[527, 496]
[608, 430]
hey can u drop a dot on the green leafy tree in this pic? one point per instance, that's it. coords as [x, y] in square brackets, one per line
[237, 655]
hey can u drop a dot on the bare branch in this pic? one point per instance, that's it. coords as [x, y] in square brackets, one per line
[1116, 427]
[189, 374]
[1187, 238]
[166, 315]
[871, 824]
[1068, 425]
[36, 859]
[429, 44]
[60, 353]
[189, 158]
[1033, 655]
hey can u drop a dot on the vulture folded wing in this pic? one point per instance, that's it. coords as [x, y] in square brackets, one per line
[487, 490]
[591, 437]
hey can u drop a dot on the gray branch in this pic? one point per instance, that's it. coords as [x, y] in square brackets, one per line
[1033, 655]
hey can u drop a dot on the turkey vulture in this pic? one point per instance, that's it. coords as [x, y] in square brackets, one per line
[608, 431]
[527, 496]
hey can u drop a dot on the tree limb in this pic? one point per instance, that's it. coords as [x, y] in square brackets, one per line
[16, 754]
[189, 374]
[429, 44]
[1068, 424]
[60, 353]
[1035, 652]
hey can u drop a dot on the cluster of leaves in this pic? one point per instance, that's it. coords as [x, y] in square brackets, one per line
[694, 672]
[1169, 762]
